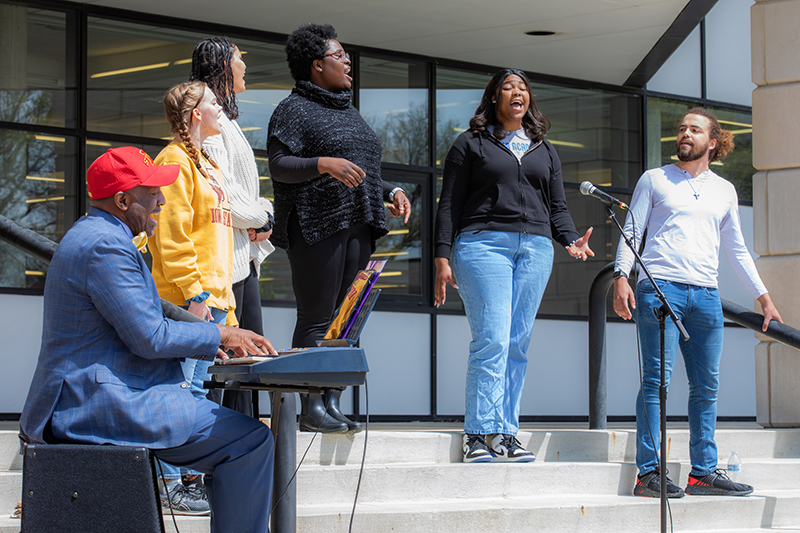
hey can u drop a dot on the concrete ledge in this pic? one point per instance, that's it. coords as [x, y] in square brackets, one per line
[576, 513]
[388, 447]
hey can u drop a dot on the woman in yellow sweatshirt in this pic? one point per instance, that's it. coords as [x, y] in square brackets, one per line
[193, 244]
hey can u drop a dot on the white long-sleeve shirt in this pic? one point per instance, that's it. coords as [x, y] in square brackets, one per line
[687, 219]
[231, 151]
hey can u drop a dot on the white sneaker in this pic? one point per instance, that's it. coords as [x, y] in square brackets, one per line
[507, 448]
[475, 449]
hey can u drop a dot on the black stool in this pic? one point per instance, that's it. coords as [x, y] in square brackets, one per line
[89, 489]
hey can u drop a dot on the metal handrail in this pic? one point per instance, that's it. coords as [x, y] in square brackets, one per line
[43, 249]
[598, 295]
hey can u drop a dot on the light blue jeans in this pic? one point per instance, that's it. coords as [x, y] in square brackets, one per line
[195, 372]
[501, 278]
[700, 311]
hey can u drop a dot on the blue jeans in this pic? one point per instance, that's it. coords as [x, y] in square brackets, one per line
[195, 372]
[700, 311]
[501, 278]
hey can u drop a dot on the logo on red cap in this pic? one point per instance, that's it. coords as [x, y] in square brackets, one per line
[122, 169]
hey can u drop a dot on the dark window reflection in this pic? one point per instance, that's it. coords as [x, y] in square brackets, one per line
[568, 288]
[393, 99]
[402, 247]
[597, 134]
[458, 94]
[276, 276]
[37, 190]
[737, 167]
[131, 66]
[34, 85]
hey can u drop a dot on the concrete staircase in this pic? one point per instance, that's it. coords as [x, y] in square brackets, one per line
[414, 481]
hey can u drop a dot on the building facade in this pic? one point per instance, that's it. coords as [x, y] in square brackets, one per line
[77, 79]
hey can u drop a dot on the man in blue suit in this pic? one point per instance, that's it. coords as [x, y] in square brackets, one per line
[108, 370]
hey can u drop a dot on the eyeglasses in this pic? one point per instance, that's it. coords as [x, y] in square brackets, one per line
[339, 55]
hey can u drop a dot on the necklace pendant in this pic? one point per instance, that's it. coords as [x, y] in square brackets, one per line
[696, 196]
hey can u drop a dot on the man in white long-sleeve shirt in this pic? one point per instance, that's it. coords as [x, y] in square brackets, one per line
[688, 211]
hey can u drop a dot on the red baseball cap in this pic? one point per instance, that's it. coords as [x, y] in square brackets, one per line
[122, 169]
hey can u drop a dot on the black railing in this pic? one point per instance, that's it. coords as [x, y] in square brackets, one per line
[43, 249]
[598, 296]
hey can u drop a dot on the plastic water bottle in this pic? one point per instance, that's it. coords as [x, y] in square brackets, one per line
[734, 467]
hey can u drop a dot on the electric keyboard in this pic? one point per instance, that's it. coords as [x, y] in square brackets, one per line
[300, 369]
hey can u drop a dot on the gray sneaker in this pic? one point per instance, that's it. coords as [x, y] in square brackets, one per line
[507, 449]
[475, 449]
[189, 502]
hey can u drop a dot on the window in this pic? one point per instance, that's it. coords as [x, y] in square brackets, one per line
[458, 94]
[130, 69]
[402, 247]
[36, 85]
[597, 134]
[38, 192]
[737, 166]
[393, 99]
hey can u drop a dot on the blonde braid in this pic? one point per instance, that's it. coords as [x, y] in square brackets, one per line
[187, 142]
[205, 154]
[179, 102]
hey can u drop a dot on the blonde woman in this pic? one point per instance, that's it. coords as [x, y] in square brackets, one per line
[192, 246]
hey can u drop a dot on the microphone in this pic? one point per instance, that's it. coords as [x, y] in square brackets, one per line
[587, 189]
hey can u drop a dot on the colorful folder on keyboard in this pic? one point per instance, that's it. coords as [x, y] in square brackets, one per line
[356, 307]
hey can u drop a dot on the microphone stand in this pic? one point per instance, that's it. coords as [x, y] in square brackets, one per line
[661, 314]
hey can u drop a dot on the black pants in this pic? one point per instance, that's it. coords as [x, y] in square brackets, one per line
[321, 275]
[247, 295]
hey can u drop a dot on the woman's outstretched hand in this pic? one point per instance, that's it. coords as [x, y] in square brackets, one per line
[580, 248]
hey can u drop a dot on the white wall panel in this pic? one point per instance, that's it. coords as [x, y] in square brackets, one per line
[398, 347]
[728, 73]
[680, 74]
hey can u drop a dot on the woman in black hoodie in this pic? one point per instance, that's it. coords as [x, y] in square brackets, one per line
[502, 202]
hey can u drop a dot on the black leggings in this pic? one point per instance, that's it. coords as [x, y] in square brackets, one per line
[248, 314]
[321, 275]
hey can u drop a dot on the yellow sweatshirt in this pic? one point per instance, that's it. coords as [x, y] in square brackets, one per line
[193, 243]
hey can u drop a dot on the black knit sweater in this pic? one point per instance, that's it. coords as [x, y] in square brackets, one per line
[312, 122]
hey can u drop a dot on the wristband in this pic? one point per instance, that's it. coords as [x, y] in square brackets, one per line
[268, 226]
[393, 191]
[200, 298]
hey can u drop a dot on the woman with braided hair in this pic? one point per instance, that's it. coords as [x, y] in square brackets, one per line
[218, 63]
[192, 246]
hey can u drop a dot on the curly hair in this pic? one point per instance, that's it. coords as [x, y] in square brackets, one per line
[211, 64]
[724, 138]
[536, 125]
[179, 102]
[304, 45]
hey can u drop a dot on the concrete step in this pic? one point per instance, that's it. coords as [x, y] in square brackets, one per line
[396, 444]
[388, 483]
[575, 513]
[186, 524]
[414, 481]
[387, 446]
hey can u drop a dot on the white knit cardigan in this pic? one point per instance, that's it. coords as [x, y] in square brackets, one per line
[235, 158]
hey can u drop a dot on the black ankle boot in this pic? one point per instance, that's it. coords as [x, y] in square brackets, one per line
[332, 398]
[313, 417]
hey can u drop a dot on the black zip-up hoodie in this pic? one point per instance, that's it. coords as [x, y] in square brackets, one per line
[485, 187]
